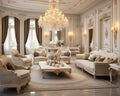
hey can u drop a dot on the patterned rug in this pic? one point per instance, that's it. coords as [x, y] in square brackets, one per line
[64, 81]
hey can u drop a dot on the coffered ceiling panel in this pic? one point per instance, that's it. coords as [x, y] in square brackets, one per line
[67, 6]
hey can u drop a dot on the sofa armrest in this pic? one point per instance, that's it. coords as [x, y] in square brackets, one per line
[9, 77]
[101, 68]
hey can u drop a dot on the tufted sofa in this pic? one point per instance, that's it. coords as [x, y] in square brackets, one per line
[97, 63]
[12, 75]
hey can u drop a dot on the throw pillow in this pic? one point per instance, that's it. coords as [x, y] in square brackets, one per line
[36, 54]
[115, 60]
[105, 60]
[42, 53]
[110, 60]
[100, 59]
[92, 57]
[10, 67]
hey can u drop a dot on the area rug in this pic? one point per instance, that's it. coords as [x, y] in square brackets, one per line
[64, 81]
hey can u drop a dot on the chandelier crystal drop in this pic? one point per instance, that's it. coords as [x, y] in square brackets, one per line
[53, 18]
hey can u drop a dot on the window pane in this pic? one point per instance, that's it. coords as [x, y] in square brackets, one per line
[11, 21]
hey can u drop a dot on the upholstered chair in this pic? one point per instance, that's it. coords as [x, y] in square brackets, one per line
[21, 60]
[65, 55]
[40, 54]
[11, 75]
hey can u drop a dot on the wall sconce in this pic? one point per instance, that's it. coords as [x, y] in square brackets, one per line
[84, 34]
[115, 31]
[70, 36]
[46, 34]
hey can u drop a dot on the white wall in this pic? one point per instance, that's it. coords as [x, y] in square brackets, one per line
[92, 19]
[74, 25]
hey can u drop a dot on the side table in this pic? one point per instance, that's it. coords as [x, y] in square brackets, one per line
[115, 67]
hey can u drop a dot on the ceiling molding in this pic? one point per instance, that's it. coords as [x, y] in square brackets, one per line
[67, 6]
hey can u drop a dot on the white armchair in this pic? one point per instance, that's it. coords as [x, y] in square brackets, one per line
[40, 54]
[21, 60]
[12, 75]
[65, 54]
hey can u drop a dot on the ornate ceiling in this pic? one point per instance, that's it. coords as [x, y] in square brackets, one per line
[67, 6]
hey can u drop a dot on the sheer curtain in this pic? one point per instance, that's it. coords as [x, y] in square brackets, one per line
[32, 41]
[10, 41]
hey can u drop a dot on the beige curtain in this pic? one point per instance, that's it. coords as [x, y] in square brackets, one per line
[50, 35]
[63, 35]
[4, 30]
[17, 32]
[38, 32]
[26, 32]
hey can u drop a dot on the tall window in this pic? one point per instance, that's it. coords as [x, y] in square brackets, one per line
[32, 41]
[10, 42]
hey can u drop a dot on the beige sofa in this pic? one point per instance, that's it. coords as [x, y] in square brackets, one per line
[12, 75]
[97, 63]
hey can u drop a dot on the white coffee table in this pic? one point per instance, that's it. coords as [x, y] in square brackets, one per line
[57, 70]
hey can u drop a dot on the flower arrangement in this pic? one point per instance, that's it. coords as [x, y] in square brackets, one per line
[54, 59]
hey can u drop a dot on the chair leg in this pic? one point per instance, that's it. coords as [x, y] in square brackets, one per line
[18, 89]
[94, 76]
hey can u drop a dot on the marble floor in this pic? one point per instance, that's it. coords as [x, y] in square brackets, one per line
[82, 92]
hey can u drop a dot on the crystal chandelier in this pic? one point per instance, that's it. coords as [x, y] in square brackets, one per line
[53, 18]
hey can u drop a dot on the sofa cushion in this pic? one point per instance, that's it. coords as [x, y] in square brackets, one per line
[22, 73]
[86, 64]
[26, 60]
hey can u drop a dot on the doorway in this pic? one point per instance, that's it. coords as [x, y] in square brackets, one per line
[90, 39]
